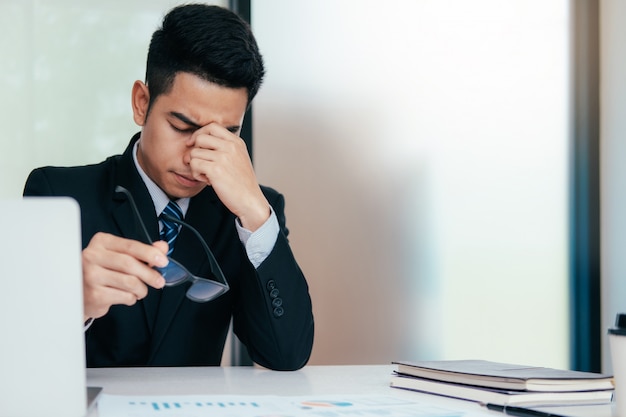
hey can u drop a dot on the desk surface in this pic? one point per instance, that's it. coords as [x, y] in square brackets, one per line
[348, 380]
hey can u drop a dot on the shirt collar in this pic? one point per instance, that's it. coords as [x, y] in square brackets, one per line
[159, 198]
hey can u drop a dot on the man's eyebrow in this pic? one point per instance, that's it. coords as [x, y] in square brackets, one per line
[185, 120]
[188, 121]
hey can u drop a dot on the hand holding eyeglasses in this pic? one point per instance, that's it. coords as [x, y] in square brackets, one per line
[117, 270]
[174, 273]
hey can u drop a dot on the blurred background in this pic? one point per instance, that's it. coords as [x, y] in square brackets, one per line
[425, 149]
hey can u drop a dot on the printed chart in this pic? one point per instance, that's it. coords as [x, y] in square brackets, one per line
[268, 406]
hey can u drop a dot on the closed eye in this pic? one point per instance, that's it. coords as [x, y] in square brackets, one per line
[183, 130]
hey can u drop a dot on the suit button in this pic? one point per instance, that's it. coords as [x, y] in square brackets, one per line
[274, 293]
[271, 284]
[278, 311]
[277, 302]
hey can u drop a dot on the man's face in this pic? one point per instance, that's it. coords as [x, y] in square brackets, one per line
[191, 104]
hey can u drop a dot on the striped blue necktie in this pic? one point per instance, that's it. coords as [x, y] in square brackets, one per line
[170, 228]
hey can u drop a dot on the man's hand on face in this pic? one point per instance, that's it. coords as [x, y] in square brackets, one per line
[117, 270]
[220, 158]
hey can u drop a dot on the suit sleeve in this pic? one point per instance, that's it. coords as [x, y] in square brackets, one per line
[275, 319]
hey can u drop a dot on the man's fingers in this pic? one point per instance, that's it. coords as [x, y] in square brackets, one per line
[162, 246]
[127, 283]
[118, 271]
[150, 254]
[128, 257]
[99, 299]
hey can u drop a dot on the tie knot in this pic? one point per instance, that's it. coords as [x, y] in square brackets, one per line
[170, 228]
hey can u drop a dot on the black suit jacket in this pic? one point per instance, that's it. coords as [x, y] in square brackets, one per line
[270, 306]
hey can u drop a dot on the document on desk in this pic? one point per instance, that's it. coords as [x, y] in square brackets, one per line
[266, 405]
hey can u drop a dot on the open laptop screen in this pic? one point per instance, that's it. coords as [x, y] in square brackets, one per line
[42, 355]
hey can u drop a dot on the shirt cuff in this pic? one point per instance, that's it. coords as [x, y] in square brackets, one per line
[259, 244]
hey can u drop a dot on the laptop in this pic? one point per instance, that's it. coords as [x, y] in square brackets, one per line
[42, 353]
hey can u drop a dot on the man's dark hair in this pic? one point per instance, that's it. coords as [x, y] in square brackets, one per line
[210, 42]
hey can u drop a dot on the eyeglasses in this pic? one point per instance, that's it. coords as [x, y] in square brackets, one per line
[201, 289]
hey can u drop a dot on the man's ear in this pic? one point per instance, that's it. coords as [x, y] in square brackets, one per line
[140, 100]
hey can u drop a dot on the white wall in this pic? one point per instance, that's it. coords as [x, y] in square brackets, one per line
[613, 168]
[422, 147]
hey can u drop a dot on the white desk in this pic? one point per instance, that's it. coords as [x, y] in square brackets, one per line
[349, 380]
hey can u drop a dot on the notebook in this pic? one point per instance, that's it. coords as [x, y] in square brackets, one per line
[42, 354]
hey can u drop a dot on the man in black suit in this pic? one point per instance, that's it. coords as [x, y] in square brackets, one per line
[203, 70]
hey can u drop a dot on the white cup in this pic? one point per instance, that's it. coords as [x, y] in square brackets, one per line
[617, 343]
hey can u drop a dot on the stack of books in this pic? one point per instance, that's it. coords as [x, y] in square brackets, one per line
[488, 382]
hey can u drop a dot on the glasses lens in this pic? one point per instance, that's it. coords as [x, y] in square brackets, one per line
[204, 290]
[174, 273]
